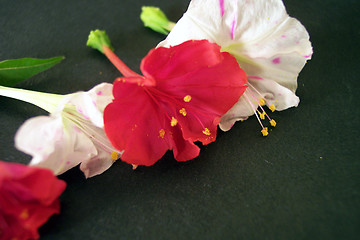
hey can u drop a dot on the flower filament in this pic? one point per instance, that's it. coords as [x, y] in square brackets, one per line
[259, 111]
[89, 130]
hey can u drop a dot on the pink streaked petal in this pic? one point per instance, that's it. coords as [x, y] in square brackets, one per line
[255, 77]
[222, 8]
[276, 60]
[233, 27]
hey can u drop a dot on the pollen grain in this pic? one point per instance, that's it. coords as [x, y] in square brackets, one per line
[272, 107]
[162, 133]
[187, 98]
[206, 131]
[183, 112]
[265, 132]
[174, 122]
[24, 214]
[273, 123]
[114, 156]
[262, 101]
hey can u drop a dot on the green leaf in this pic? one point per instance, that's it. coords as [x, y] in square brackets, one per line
[17, 70]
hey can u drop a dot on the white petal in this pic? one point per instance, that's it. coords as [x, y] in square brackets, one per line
[38, 137]
[97, 164]
[102, 95]
[54, 144]
[103, 160]
[240, 111]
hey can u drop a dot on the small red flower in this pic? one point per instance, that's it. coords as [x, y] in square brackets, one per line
[28, 197]
[179, 100]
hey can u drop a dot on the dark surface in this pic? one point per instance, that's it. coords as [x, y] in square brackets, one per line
[301, 182]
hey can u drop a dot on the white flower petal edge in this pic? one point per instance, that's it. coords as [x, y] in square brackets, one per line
[72, 134]
[269, 45]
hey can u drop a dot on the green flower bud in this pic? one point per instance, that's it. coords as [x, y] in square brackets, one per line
[98, 39]
[155, 19]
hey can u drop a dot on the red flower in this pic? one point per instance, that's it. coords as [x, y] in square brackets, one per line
[28, 197]
[179, 100]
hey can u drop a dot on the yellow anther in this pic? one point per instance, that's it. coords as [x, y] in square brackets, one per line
[265, 132]
[272, 107]
[114, 156]
[206, 132]
[183, 111]
[273, 123]
[162, 133]
[262, 101]
[24, 214]
[262, 115]
[121, 80]
[187, 98]
[174, 121]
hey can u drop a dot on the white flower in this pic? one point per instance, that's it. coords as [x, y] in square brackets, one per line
[72, 134]
[269, 45]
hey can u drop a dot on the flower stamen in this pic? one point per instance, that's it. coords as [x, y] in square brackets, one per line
[272, 122]
[187, 98]
[173, 122]
[206, 132]
[162, 133]
[261, 116]
[272, 107]
[24, 214]
[265, 132]
[183, 112]
[262, 101]
[114, 156]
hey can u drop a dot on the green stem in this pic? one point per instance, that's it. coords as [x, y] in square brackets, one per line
[46, 101]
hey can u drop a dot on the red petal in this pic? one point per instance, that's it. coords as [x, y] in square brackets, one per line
[164, 63]
[134, 123]
[183, 150]
[28, 197]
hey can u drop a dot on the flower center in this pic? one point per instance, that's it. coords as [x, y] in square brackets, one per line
[181, 107]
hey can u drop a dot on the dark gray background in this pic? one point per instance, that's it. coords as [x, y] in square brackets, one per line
[301, 182]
